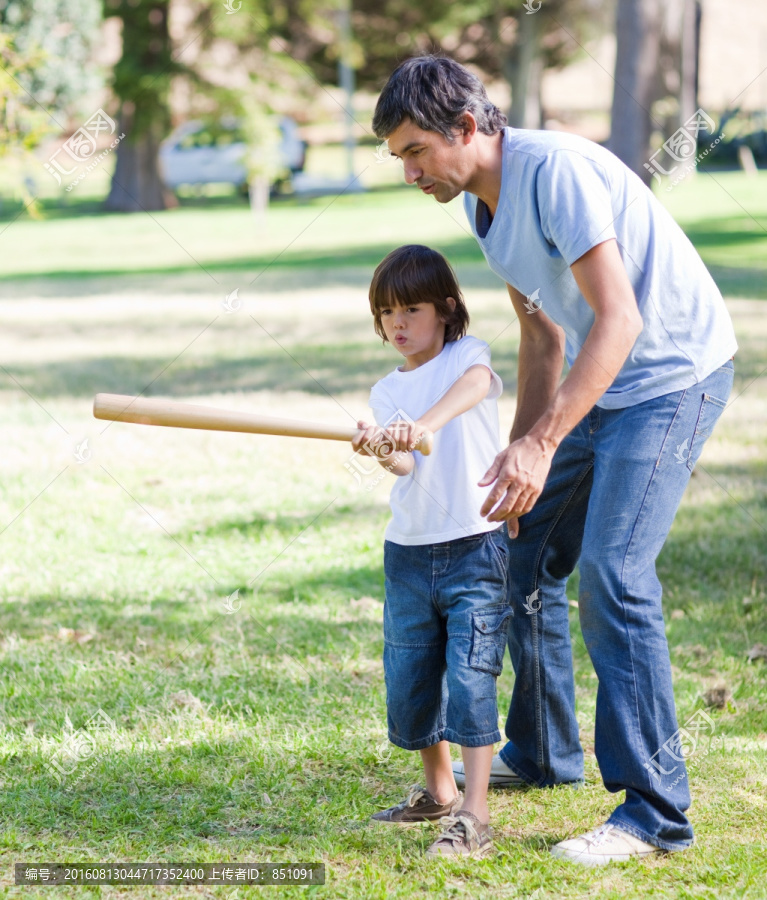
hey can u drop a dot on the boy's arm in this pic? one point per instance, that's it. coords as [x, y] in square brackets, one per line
[401, 437]
[465, 392]
[376, 442]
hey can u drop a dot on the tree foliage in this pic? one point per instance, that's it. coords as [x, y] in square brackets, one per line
[61, 36]
[22, 124]
[502, 38]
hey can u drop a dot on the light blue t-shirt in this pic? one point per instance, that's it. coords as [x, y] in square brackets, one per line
[561, 195]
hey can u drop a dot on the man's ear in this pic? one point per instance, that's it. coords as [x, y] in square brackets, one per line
[468, 126]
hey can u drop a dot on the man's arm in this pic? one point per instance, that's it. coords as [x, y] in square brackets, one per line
[539, 368]
[520, 471]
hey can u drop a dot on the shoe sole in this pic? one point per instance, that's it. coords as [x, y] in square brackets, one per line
[481, 853]
[590, 860]
[409, 824]
[496, 781]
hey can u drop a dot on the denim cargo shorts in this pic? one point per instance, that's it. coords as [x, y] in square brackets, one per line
[445, 629]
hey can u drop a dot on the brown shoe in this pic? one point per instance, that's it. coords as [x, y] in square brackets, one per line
[418, 806]
[463, 835]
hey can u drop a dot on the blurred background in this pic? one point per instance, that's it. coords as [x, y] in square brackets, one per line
[192, 204]
[259, 99]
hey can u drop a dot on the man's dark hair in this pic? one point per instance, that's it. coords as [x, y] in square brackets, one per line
[435, 92]
[416, 274]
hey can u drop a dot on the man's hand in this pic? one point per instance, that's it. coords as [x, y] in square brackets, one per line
[519, 473]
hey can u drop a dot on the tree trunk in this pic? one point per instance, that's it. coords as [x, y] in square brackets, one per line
[688, 86]
[523, 68]
[638, 31]
[141, 81]
[136, 183]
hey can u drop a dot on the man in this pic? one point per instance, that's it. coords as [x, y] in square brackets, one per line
[599, 274]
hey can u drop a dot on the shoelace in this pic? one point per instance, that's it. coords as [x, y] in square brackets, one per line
[416, 792]
[452, 826]
[600, 836]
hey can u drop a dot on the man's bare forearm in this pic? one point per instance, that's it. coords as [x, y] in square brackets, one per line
[594, 370]
[539, 371]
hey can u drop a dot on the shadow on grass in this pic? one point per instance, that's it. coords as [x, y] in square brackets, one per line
[289, 673]
[313, 369]
[459, 252]
[741, 282]
[74, 206]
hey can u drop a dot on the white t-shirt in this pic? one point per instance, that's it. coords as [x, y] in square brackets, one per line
[440, 500]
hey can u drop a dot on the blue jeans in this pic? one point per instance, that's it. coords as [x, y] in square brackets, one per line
[613, 490]
[445, 631]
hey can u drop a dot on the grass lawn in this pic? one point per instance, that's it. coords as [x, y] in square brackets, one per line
[252, 726]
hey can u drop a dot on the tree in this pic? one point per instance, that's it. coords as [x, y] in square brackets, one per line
[638, 33]
[656, 72]
[141, 82]
[22, 124]
[512, 39]
[64, 71]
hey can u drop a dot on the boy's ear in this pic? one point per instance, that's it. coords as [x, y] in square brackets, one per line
[451, 303]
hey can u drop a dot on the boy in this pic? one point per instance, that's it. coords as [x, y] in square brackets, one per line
[446, 608]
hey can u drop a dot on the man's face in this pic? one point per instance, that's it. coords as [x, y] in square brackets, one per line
[438, 168]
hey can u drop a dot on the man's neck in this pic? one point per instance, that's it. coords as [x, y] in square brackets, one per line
[486, 181]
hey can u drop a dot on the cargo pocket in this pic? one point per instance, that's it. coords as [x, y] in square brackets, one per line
[710, 410]
[488, 639]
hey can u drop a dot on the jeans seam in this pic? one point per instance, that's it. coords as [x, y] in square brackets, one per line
[629, 544]
[536, 642]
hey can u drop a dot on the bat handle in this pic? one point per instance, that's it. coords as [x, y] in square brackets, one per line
[425, 443]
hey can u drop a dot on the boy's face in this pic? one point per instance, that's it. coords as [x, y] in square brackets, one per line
[439, 168]
[417, 332]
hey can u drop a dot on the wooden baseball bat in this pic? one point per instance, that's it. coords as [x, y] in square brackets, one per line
[143, 411]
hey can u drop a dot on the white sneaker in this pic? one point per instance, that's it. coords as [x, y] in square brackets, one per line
[608, 843]
[500, 775]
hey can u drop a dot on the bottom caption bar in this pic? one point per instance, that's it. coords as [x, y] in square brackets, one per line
[167, 873]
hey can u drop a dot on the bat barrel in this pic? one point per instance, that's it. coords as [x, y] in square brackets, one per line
[143, 411]
[172, 413]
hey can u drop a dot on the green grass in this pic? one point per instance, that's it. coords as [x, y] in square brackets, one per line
[259, 733]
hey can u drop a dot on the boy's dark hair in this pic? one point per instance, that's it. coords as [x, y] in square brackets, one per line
[416, 274]
[435, 92]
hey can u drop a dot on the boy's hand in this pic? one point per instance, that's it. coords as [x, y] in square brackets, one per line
[373, 440]
[405, 436]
